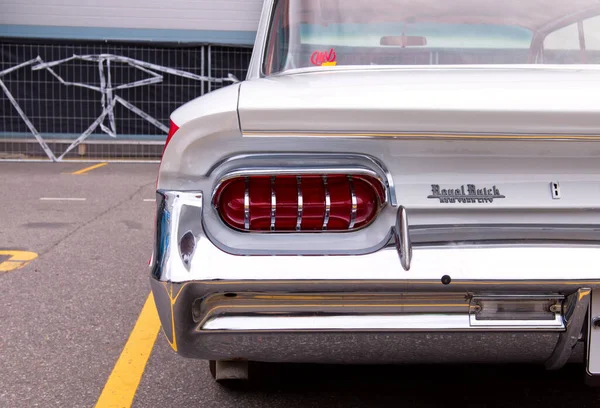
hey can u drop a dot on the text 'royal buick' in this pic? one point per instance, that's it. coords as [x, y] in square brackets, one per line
[394, 182]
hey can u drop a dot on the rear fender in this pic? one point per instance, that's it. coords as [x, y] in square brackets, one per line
[204, 120]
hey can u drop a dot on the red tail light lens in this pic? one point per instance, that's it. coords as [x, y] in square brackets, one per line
[299, 203]
[172, 129]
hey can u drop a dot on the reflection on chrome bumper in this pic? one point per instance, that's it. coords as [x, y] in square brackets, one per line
[247, 311]
[267, 321]
[482, 303]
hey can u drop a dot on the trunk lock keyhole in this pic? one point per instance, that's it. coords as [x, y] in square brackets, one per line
[555, 190]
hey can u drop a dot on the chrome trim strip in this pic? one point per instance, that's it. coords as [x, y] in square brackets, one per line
[384, 176]
[293, 171]
[425, 68]
[256, 60]
[351, 322]
[354, 201]
[288, 156]
[366, 311]
[436, 228]
[273, 203]
[247, 204]
[390, 191]
[300, 204]
[402, 238]
[327, 204]
[407, 322]
[575, 310]
[427, 136]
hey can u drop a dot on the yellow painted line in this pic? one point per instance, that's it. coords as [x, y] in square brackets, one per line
[18, 259]
[90, 168]
[125, 377]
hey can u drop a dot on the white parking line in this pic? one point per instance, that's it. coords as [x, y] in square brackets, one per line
[150, 199]
[62, 199]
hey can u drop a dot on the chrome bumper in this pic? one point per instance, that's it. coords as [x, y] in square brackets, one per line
[425, 305]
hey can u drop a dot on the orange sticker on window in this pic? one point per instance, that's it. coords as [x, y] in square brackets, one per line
[329, 64]
[320, 58]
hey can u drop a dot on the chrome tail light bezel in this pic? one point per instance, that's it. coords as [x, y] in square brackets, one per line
[326, 173]
[367, 239]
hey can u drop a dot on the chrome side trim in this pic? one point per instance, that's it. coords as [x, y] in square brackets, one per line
[327, 204]
[273, 203]
[256, 61]
[420, 67]
[247, 204]
[390, 191]
[437, 322]
[575, 310]
[354, 204]
[294, 171]
[420, 136]
[402, 238]
[300, 204]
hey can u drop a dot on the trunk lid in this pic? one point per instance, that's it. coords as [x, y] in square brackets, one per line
[469, 182]
[508, 100]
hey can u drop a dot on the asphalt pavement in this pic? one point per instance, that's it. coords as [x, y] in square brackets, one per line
[74, 250]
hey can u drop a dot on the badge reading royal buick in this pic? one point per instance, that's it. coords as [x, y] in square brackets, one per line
[470, 194]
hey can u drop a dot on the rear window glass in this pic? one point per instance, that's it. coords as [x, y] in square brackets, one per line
[326, 33]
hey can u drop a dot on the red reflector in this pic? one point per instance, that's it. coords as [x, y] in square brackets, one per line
[172, 129]
[299, 203]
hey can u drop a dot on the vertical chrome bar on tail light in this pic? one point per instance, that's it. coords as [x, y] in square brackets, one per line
[354, 203]
[327, 204]
[273, 203]
[247, 204]
[300, 204]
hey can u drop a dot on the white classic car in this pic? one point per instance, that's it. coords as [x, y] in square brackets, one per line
[396, 181]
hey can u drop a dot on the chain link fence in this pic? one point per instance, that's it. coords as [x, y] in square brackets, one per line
[102, 101]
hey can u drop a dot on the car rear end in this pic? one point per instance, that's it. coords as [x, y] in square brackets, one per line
[383, 215]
